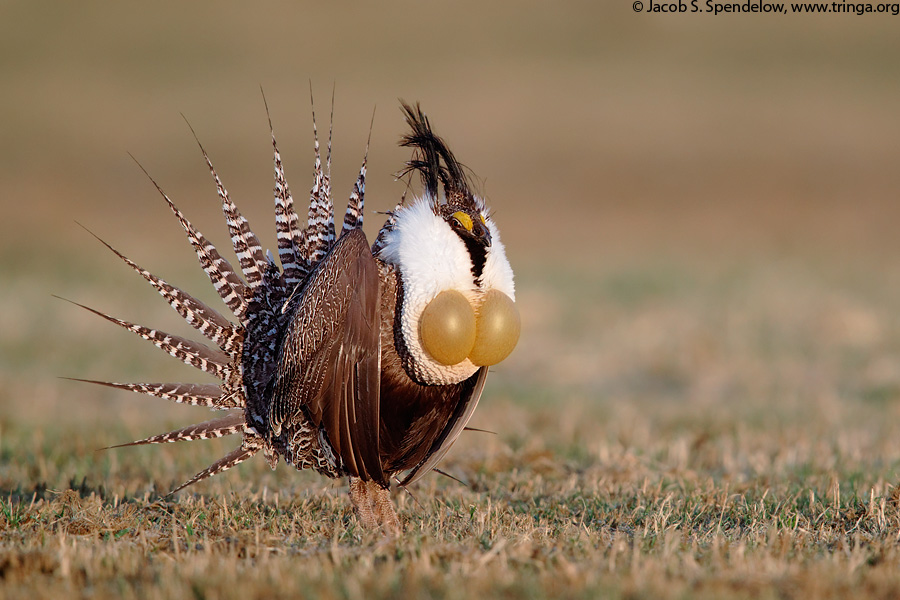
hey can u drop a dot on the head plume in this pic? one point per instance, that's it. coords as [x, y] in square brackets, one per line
[439, 169]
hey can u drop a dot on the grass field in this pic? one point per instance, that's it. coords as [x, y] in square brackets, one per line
[701, 213]
[731, 433]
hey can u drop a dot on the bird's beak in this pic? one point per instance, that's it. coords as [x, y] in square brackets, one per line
[482, 234]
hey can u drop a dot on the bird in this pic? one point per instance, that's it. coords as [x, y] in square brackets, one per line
[354, 360]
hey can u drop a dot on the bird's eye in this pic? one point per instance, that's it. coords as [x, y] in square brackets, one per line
[463, 219]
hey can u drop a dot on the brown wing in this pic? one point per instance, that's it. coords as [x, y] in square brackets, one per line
[329, 362]
[468, 400]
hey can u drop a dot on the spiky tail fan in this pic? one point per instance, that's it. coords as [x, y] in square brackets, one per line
[243, 351]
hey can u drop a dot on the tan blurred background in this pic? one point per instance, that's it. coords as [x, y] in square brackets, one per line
[635, 163]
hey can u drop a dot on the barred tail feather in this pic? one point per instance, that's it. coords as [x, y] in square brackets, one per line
[216, 428]
[195, 354]
[246, 245]
[197, 314]
[208, 395]
[232, 459]
[220, 272]
[330, 237]
[287, 229]
[353, 218]
[320, 228]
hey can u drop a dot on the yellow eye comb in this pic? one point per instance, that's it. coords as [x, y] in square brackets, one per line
[464, 219]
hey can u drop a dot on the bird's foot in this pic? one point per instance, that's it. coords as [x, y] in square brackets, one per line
[373, 506]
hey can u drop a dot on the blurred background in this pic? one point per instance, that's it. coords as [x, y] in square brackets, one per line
[701, 211]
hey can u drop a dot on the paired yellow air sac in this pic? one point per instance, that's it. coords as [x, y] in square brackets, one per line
[497, 327]
[447, 328]
[451, 331]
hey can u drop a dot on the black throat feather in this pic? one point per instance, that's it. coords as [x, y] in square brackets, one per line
[478, 253]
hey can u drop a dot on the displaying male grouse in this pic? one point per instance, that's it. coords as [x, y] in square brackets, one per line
[350, 360]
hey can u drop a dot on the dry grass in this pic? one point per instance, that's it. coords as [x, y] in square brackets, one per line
[672, 514]
[738, 513]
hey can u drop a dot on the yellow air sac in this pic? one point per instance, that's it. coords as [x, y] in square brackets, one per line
[447, 328]
[497, 327]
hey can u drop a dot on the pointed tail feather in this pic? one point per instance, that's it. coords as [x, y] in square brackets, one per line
[287, 223]
[197, 314]
[330, 235]
[195, 354]
[246, 244]
[220, 272]
[353, 218]
[232, 459]
[320, 227]
[216, 428]
[209, 395]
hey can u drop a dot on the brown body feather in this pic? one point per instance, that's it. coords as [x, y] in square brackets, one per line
[413, 415]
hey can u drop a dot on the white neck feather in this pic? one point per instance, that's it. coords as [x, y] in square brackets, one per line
[431, 258]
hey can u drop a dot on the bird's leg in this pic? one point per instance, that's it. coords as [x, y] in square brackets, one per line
[384, 508]
[373, 506]
[363, 503]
